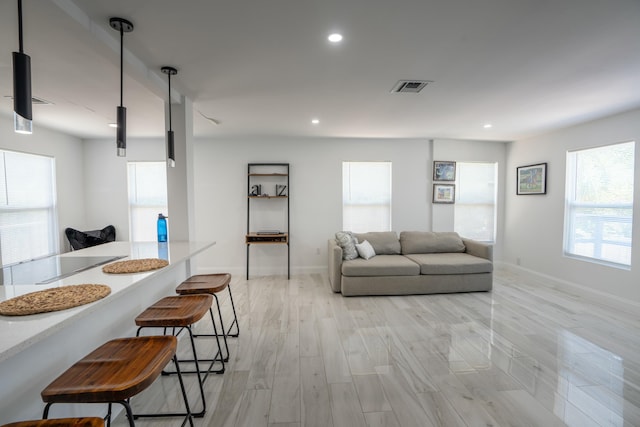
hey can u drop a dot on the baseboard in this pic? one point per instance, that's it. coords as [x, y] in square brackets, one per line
[562, 282]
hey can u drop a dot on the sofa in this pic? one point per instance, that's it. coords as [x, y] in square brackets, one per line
[417, 262]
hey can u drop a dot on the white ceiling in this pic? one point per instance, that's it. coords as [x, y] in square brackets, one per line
[265, 67]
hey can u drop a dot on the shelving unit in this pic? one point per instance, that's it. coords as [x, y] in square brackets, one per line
[276, 175]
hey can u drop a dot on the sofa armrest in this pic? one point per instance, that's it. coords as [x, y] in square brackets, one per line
[335, 265]
[479, 249]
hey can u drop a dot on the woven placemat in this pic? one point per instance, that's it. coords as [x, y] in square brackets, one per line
[53, 299]
[135, 265]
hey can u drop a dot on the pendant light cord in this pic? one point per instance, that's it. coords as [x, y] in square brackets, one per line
[170, 127]
[20, 26]
[121, 61]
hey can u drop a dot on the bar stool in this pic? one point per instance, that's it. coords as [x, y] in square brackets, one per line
[114, 373]
[181, 312]
[60, 422]
[212, 284]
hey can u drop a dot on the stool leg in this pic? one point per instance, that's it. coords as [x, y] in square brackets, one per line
[200, 379]
[194, 360]
[235, 316]
[224, 333]
[188, 415]
[127, 408]
[45, 413]
[215, 334]
[184, 393]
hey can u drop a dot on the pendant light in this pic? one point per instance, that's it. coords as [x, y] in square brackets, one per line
[123, 26]
[22, 117]
[171, 154]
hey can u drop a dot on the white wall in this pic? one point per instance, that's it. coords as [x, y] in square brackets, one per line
[67, 151]
[315, 196]
[106, 193]
[534, 224]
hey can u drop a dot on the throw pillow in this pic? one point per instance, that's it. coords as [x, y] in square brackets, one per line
[383, 242]
[365, 250]
[347, 241]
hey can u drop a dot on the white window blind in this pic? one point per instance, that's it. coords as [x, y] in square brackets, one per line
[147, 198]
[366, 196]
[599, 203]
[28, 223]
[476, 198]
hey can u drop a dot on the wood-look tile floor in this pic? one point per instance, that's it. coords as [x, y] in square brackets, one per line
[529, 353]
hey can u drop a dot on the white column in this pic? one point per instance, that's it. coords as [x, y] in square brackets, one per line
[180, 189]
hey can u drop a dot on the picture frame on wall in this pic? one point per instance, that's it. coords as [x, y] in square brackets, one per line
[444, 193]
[531, 179]
[444, 171]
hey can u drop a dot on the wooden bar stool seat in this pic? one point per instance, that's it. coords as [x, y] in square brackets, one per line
[60, 422]
[212, 284]
[115, 372]
[181, 312]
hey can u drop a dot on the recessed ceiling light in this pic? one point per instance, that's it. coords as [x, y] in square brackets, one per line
[315, 121]
[335, 38]
[487, 126]
[113, 125]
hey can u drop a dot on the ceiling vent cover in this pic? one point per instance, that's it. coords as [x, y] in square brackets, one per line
[410, 86]
[40, 101]
[34, 100]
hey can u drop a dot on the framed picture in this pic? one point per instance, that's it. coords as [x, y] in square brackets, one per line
[532, 179]
[444, 171]
[444, 193]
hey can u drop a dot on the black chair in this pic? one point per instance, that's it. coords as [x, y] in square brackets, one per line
[84, 239]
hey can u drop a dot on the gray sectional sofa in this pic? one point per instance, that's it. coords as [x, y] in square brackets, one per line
[416, 263]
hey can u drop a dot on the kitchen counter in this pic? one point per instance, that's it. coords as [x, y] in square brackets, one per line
[36, 349]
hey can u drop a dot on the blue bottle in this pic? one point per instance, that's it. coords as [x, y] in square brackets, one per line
[162, 228]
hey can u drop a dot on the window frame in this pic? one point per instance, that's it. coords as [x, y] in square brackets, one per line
[570, 214]
[346, 188]
[51, 209]
[460, 191]
[160, 208]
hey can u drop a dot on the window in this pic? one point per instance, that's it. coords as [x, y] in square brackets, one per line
[147, 198]
[599, 203]
[28, 222]
[476, 198]
[366, 196]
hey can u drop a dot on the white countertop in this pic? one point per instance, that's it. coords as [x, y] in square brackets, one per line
[19, 332]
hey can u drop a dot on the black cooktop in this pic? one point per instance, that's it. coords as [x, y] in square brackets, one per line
[50, 269]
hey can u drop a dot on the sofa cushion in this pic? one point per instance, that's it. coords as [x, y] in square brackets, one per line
[451, 263]
[365, 250]
[381, 265]
[347, 241]
[427, 242]
[383, 242]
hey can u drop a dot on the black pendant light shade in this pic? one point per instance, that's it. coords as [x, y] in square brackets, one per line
[121, 132]
[171, 151]
[123, 26]
[21, 85]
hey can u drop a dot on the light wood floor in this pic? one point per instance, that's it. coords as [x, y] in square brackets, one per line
[526, 354]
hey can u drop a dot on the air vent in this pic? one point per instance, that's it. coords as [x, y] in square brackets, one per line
[40, 101]
[410, 86]
[34, 100]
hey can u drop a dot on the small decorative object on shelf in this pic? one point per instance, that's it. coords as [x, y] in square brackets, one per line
[256, 190]
[263, 210]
